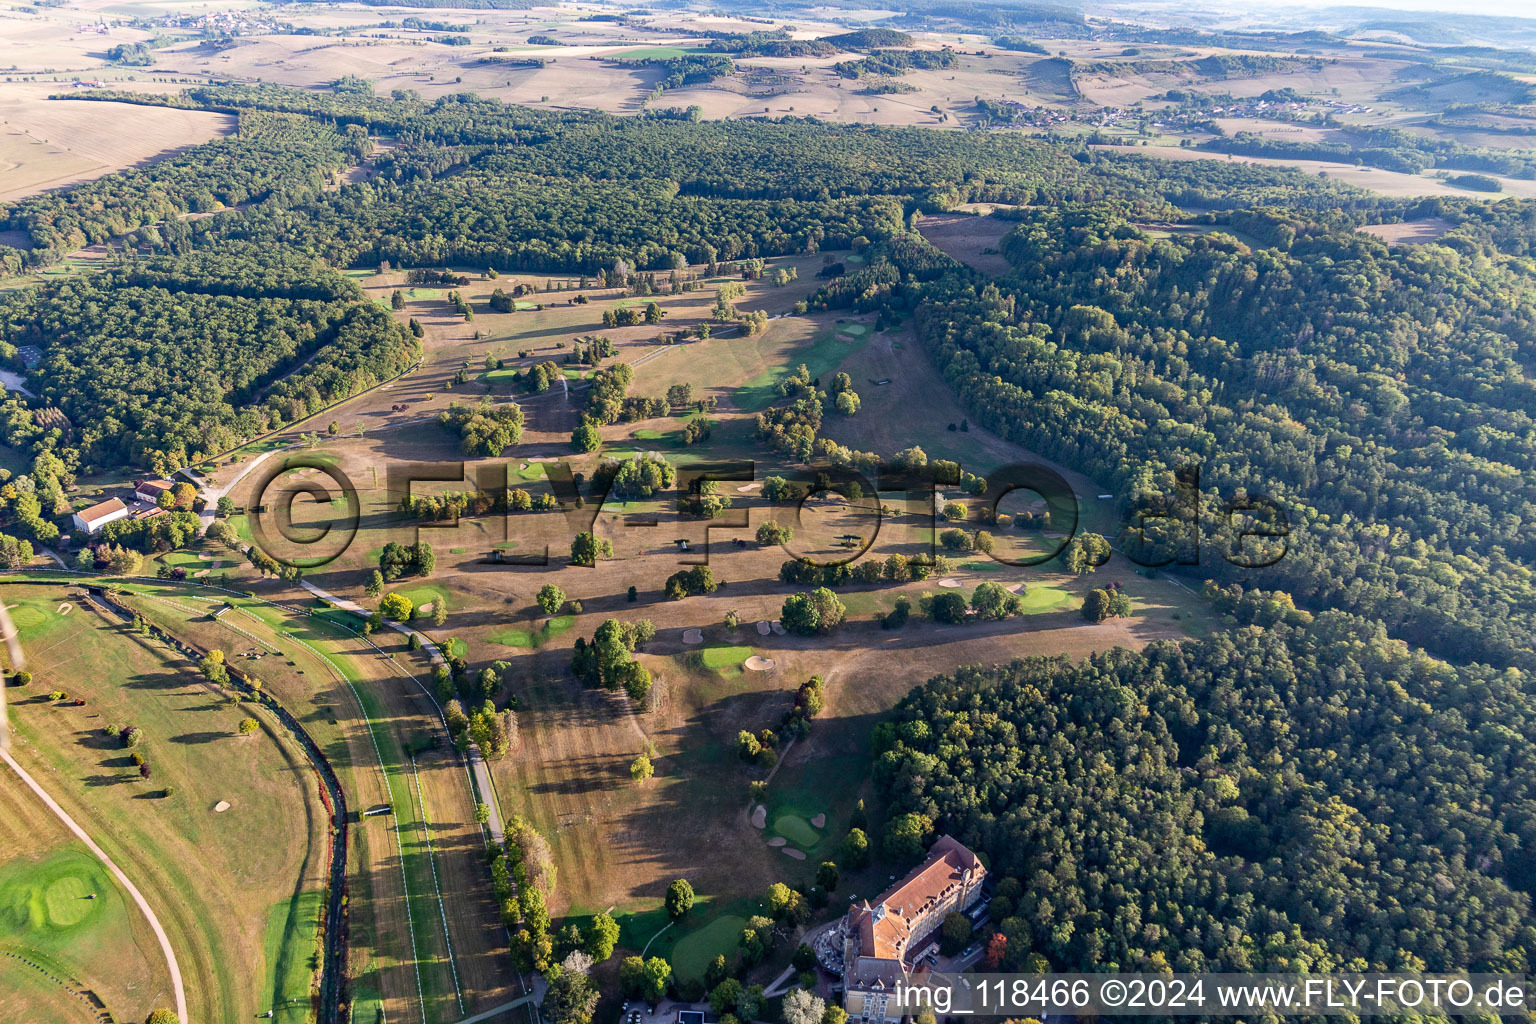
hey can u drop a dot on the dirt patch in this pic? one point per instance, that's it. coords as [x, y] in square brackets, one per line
[1410, 232]
[974, 241]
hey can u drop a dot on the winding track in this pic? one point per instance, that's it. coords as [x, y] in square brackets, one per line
[122, 879]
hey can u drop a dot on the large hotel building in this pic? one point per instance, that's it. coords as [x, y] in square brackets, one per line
[880, 936]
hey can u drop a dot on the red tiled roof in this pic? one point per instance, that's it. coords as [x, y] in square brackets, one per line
[885, 933]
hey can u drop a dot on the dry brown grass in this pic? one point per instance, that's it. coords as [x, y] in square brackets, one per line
[1408, 232]
[974, 241]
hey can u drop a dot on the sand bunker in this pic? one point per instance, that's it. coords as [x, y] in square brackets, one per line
[1017, 588]
[759, 816]
[200, 573]
[221, 806]
[759, 664]
[65, 609]
[790, 851]
[777, 627]
[820, 820]
[777, 841]
[693, 636]
[749, 488]
[949, 583]
[764, 628]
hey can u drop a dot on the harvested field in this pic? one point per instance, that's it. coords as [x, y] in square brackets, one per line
[47, 144]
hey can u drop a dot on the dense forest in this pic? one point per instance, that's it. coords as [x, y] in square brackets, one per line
[168, 360]
[1288, 797]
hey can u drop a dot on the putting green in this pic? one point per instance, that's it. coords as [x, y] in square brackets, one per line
[797, 830]
[857, 330]
[523, 304]
[530, 638]
[45, 902]
[692, 954]
[724, 659]
[25, 616]
[427, 595]
[66, 902]
[513, 638]
[1044, 599]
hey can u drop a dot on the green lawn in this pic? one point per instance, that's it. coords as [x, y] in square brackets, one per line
[43, 902]
[424, 293]
[426, 594]
[505, 376]
[694, 951]
[655, 53]
[821, 357]
[514, 636]
[292, 929]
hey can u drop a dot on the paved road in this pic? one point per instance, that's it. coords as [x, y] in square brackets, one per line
[476, 763]
[497, 1011]
[211, 495]
[123, 880]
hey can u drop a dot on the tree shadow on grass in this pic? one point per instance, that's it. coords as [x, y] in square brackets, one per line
[167, 680]
[96, 781]
[97, 739]
[206, 736]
